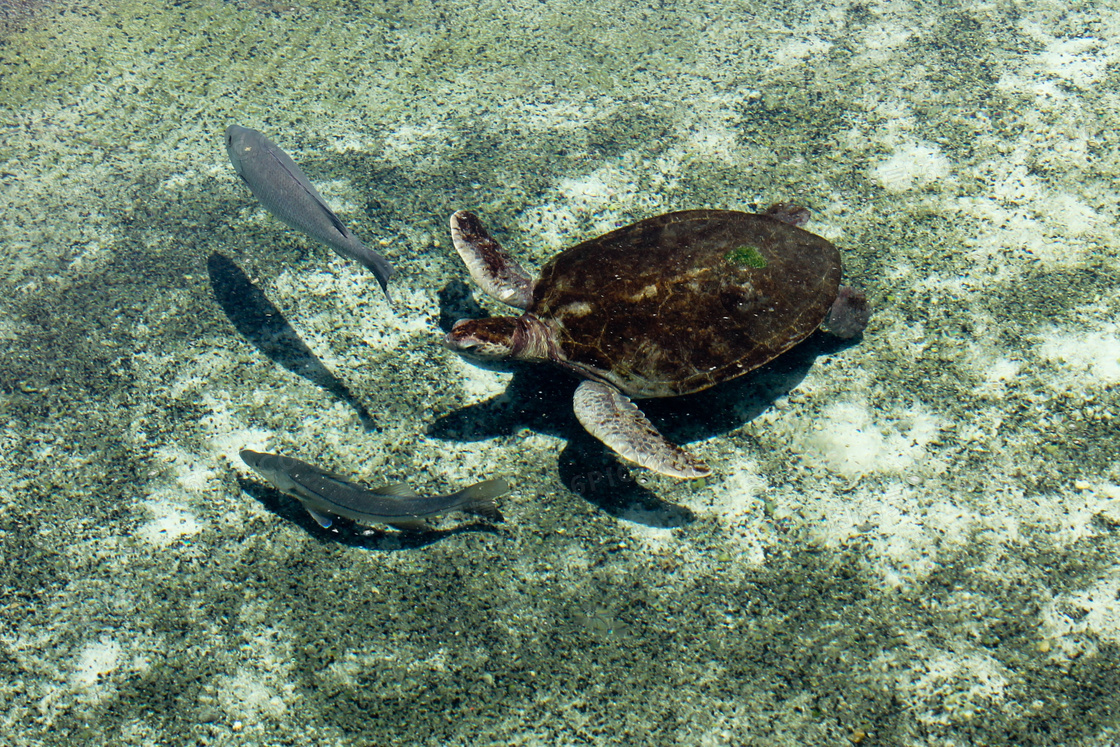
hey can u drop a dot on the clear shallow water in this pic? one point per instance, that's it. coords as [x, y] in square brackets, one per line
[912, 539]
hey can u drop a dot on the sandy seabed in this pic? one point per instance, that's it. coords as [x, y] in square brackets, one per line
[910, 541]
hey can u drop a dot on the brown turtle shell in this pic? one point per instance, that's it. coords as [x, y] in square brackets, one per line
[676, 303]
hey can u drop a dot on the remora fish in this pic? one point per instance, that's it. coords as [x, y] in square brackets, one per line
[282, 188]
[325, 495]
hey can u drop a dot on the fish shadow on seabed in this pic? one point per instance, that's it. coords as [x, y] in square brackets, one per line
[539, 398]
[262, 324]
[348, 533]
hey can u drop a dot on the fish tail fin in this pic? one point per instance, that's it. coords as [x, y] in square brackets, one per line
[479, 498]
[376, 264]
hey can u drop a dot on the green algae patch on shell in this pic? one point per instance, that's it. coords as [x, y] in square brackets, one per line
[746, 256]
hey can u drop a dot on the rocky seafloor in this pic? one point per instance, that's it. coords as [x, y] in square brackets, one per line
[912, 540]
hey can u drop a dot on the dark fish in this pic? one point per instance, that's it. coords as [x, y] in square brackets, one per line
[285, 192]
[324, 495]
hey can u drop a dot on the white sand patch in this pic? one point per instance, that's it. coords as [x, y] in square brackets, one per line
[848, 439]
[717, 143]
[995, 375]
[896, 523]
[1070, 515]
[411, 138]
[465, 463]
[1068, 215]
[221, 418]
[957, 687]
[738, 503]
[607, 196]
[347, 296]
[227, 444]
[1017, 187]
[200, 370]
[170, 520]
[1064, 150]
[595, 188]
[552, 225]
[352, 142]
[908, 340]
[796, 51]
[1018, 233]
[651, 538]
[479, 384]
[558, 116]
[1109, 509]
[740, 494]
[612, 190]
[952, 285]
[245, 696]
[883, 36]
[904, 529]
[911, 166]
[1024, 208]
[1078, 620]
[1088, 359]
[1075, 60]
[96, 660]
[1080, 62]
[191, 472]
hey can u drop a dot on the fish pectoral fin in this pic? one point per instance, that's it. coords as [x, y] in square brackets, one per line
[320, 518]
[397, 490]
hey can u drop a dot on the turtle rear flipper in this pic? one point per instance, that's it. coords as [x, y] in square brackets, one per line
[489, 265]
[611, 417]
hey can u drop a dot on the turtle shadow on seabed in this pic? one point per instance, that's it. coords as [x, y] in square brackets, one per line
[262, 324]
[345, 532]
[539, 397]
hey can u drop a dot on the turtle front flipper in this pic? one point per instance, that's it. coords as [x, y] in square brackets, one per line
[611, 417]
[489, 265]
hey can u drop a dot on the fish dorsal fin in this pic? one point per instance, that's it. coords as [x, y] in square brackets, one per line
[308, 187]
[397, 490]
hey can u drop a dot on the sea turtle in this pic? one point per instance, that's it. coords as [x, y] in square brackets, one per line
[666, 306]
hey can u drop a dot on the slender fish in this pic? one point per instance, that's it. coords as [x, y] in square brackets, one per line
[285, 192]
[324, 495]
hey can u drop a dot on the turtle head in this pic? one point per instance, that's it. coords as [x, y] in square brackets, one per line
[488, 339]
[500, 338]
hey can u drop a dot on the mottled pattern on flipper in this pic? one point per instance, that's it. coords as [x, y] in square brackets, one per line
[611, 417]
[489, 265]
